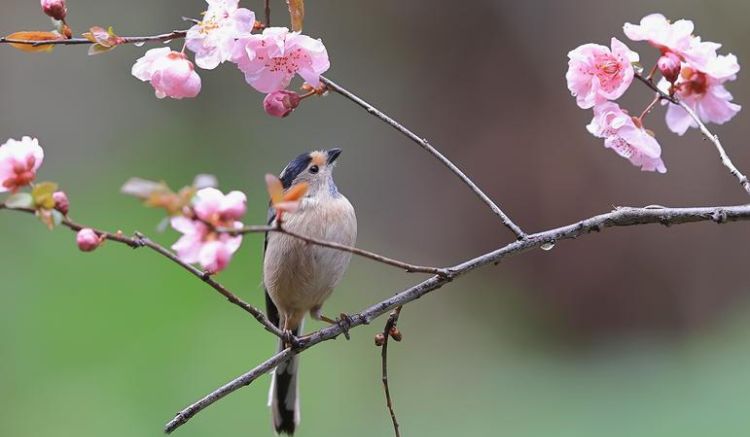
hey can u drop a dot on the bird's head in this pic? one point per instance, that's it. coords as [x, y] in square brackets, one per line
[314, 168]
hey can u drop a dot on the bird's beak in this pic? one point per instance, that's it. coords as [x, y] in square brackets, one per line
[333, 154]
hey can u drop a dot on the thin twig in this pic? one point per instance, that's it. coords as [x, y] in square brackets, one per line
[624, 216]
[139, 240]
[725, 160]
[423, 143]
[722, 153]
[166, 37]
[268, 12]
[245, 379]
[390, 325]
[650, 83]
[411, 268]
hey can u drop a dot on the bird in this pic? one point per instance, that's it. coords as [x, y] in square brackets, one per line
[298, 277]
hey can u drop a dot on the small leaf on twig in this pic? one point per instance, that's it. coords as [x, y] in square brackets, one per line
[158, 194]
[20, 200]
[281, 201]
[297, 13]
[42, 194]
[34, 35]
[104, 40]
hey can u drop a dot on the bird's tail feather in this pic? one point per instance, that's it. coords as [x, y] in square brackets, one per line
[284, 395]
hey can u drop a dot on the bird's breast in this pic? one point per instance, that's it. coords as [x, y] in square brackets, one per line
[300, 275]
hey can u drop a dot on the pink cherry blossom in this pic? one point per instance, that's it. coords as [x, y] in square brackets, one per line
[270, 60]
[281, 103]
[87, 240]
[676, 38]
[704, 93]
[213, 38]
[212, 206]
[597, 74]
[170, 73]
[62, 204]
[661, 33]
[199, 244]
[669, 65]
[626, 138]
[19, 161]
[55, 9]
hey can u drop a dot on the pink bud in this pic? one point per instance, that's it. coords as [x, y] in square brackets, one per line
[281, 103]
[55, 9]
[669, 65]
[87, 240]
[61, 202]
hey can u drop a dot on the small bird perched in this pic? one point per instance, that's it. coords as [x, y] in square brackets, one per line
[299, 277]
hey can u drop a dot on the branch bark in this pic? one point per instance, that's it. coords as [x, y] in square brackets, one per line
[140, 240]
[624, 216]
[390, 325]
[410, 268]
[165, 37]
[713, 138]
[424, 144]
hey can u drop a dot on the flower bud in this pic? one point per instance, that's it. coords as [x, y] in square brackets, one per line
[87, 240]
[669, 64]
[396, 334]
[61, 202]
[379, 339]
[281, 103]
[55, 9]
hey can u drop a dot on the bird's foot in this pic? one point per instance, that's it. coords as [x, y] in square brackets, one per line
[344, 322]
[290, 340]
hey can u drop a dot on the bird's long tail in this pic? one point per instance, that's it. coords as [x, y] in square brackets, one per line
[284, 395]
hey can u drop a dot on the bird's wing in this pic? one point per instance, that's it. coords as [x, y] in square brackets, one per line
[271, 311]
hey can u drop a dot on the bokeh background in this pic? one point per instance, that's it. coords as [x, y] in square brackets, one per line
[638, 331]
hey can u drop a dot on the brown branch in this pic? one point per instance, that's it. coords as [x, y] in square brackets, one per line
[620, 217]
[139, 240]
[725, 160]
[165, 37]
[411, 268]
[388, 332]
[424, 144]
[268, 12]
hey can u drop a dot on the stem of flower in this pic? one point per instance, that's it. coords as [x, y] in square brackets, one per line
[648, 109]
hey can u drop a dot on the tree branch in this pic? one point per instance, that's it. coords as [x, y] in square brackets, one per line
[411, 268]
[624, 216]
[165, 37]
[388, 332]
[139, 240]
[423, 143]
[725, 160]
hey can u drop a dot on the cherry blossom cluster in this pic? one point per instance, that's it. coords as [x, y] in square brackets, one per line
[201, 242]
[269, 60]
[692, 72]
[19, 162]
[206, 217]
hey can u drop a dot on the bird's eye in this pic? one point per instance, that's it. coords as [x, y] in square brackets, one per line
[314, 169]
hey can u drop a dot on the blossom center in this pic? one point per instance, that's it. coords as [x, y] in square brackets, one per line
[695, 82]
[607, 69]
[23, 174]
[288, 64]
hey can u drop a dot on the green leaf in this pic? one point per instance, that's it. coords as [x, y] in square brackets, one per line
[20, 200]
[42, 194]
[98, 49]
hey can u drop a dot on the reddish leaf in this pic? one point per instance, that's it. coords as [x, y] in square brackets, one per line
[33, 36]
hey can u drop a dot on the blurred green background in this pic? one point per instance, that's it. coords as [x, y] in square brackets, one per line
[630, 332]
